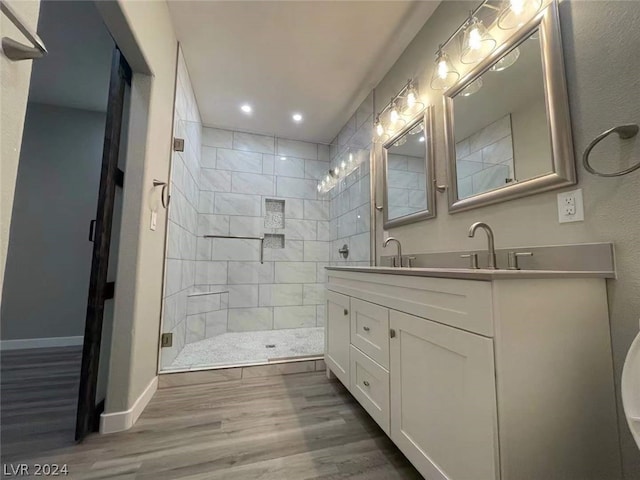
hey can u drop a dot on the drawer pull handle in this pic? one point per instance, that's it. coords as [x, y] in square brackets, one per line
[346, 312]
[366, 329]
[366, 384]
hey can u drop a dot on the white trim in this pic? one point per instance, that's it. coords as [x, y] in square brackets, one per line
[25, 343]
[124, 420]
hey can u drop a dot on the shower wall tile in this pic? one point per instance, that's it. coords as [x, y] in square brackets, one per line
[289, 167]
[213, 224]
[235, 249]
[214, 180]
[238, 161]
[195, 328]
[293, 251]
[252, 183]
[250, 142]
[279, 295]
[297, 188]
[294, 317]
[250, 273]
[316, 251]
[246, 226]
[320, 315]
[236, 204]
[295, 272]
[313, 294]
[250, 319]
[268, 164]
[215, 137]
[315, 170]
[316, 210]
[210, 273]
[243, 296]
[216, 323]
[300, 229]
[294, 148]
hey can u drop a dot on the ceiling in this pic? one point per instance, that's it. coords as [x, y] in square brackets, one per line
[75, 72]
[319, 58]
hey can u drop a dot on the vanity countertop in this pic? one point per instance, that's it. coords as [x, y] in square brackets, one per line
[479, 274]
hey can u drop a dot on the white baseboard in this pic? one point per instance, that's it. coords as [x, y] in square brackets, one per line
[25, 343]
[120, 421]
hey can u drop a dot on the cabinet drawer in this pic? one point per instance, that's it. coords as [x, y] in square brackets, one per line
[370, 330]
[370, 386]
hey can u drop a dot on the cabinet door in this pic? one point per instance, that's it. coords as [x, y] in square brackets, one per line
[337, 336]
[443, 400]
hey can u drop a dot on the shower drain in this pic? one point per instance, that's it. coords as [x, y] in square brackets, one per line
[270, 345]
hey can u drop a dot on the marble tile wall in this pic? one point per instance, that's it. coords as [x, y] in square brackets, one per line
[182, 226]
[240, 172]
[484, 160]
[406, 183]
[350, 204]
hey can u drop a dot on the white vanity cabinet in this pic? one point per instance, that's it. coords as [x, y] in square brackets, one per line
[502, 377]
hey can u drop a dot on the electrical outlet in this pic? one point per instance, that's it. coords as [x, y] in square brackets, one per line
[570, 206]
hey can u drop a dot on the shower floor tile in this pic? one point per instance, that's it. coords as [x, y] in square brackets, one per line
[239, 348]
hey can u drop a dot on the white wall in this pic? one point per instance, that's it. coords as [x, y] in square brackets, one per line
[602, 72]
[14, 90]
[144, 33]
[49, 256]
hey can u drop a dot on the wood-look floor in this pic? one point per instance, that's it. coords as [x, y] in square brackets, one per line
[38, 398]
[293, 427]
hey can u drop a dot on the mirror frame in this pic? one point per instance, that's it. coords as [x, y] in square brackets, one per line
[430, 212]
[558, 116]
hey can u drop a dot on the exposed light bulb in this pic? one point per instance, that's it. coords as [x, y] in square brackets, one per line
[475, 39]
[517, 6]
[323, 183]
[394, 116]
[421, 139]
[411, 98]
[319, 187]
[443, 69]
[337, 170]
[351, 158]
[328, 179]
[379, 129]
[343, 165]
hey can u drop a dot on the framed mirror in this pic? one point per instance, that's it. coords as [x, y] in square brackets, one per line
[507, 124]
[408, 176]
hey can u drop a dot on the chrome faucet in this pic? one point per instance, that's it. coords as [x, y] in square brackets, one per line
[397, 260]
[492, 248]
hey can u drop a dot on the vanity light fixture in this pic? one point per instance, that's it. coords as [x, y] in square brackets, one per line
[477, 41]
[403, 107]
[297, 117]
[506, 61]
[445, 74]
[412, 103]
[378, 127]
[246, 108]
[518, 13]
[472, 88]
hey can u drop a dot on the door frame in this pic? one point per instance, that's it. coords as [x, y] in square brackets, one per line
[99, 289]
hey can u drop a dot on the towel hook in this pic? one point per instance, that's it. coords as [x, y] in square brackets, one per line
[624, 132]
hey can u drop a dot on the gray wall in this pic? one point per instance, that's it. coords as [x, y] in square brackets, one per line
[600, 43]
[49, 259]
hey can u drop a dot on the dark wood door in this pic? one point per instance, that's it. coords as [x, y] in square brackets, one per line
[99, 289]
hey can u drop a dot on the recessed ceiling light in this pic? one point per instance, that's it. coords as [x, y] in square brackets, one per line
[297, 117]
[246, 108]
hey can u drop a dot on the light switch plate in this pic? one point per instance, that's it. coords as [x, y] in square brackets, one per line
[570, 206]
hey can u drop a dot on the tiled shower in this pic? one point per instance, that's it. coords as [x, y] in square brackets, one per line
[249, 235]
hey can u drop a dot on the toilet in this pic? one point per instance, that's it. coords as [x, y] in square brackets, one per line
[631, 388]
